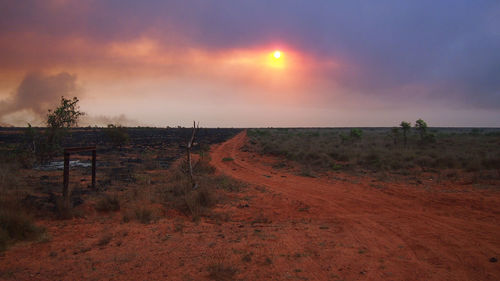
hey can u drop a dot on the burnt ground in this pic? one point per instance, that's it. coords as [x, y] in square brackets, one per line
[118, 167]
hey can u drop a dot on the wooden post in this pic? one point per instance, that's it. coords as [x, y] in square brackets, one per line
[188, 150]
[93, 167]
[67, 152]
[66, 180]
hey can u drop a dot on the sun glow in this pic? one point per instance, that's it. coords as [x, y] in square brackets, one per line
[276, 59]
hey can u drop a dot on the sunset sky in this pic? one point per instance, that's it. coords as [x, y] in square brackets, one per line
[166, 63]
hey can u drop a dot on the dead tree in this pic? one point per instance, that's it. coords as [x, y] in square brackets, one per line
[190, 144]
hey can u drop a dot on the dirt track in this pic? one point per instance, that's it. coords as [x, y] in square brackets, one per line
[391, 233]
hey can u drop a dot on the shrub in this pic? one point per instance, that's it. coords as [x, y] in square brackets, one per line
[117, 135]
[405, 126]
[337, 167]
[203, 167]
[307, 172]
[179, 194]
[343, 138]
[429, 138]
[421, 128]
[16, 225]
[108, 204]
[197, 201]
[144, 215]
[65, 116]
[356, 134]
[226, 183]
[372, 160]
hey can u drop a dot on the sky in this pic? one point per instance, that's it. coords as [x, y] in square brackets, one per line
[166, 63]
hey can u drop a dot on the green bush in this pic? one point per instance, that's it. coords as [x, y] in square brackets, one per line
[356, 134]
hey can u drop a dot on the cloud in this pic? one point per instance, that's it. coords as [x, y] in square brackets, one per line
[38, 92]
[395, 53]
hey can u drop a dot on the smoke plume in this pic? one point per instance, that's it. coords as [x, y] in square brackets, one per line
[39, 92]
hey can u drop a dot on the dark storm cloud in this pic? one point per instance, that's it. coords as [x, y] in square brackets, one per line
[38, 93]
[447, 48]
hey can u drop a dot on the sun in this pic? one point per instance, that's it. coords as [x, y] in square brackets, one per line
[277, 54]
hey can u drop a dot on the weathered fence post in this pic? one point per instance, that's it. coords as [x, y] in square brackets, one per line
[190, 144]
[67, 152]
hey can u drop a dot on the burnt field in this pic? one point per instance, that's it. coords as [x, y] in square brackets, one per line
[139, 138]
[119, 165]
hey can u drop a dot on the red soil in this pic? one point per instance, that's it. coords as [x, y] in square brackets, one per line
[392, 233]
[283, 227]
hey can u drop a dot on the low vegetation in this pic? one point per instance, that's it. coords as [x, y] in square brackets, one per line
[16, 225]
[179, 194]
[15, 222]
[43, 145]
[108, 204]
[117, 135]
[447, 152]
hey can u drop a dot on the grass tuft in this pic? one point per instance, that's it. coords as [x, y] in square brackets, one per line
[179, 194]
[108, 204]
[16, 225]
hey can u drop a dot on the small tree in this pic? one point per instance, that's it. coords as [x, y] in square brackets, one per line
[117, 135]
[65, 116]
[405, 126]
[421, 128]
[395, 134]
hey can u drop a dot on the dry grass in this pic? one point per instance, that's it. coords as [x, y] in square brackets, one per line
[179, 194]
[15, 222]
[16, 225]
[144, 215]
[220, 269]
[108, 203]
[472, 152]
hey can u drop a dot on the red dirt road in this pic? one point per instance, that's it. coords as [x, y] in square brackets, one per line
[358, 232]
